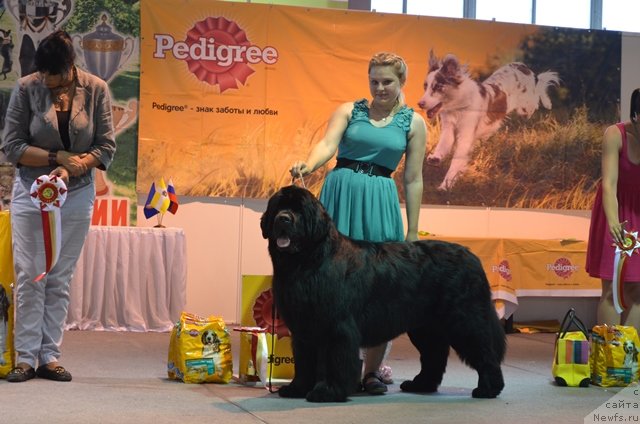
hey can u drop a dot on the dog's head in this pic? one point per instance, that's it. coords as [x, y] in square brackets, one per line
[629, 347]
[294, 219]
[209, 337]
[443, 78]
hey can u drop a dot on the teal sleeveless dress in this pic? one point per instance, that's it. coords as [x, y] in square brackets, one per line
[367, 207]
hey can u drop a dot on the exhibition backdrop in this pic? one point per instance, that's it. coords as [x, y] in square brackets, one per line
[228, 95]
[233, 93]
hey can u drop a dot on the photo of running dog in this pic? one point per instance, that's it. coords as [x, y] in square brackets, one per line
[337, 294]
[470, 110]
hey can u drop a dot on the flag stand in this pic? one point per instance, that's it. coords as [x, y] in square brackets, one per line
[159, 224]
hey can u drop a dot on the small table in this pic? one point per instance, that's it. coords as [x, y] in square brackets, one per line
[129, 279]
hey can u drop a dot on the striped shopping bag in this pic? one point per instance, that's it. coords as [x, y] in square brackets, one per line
[571, 360]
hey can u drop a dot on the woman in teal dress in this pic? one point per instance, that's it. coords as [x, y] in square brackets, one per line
[370, 139]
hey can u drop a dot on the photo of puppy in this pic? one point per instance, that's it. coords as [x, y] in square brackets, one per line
[630, 354]
[210, 343]
[471, 110]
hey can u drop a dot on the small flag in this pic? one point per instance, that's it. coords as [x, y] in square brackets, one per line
[173, 199]
[149, 210]
[157, 201]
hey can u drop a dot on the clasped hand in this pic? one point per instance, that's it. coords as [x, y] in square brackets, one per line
[73, 162]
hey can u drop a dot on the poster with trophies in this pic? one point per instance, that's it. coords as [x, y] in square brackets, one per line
[105, 34]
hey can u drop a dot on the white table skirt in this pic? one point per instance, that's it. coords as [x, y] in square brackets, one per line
[129, 279]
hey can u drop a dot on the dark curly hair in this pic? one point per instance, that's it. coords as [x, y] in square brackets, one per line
[55, 54]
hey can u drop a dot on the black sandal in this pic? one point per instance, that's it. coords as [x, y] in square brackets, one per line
[56, 374]
[373, 384]
[19, 374]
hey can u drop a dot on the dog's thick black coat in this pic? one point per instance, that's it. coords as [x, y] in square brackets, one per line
[337, 294]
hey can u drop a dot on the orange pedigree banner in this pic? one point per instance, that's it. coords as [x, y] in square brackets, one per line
[233, 93]
[527, 267]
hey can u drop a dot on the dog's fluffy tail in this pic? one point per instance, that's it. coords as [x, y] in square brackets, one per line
[544, 80]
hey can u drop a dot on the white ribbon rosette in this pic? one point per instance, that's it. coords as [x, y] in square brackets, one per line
[48, 194]
[629, 246]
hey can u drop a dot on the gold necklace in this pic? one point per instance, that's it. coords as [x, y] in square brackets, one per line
[391, 112]
[390, 115]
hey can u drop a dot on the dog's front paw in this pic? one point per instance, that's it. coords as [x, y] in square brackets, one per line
[324, 393]
[482, 393]
[414, 386]
[291, 391]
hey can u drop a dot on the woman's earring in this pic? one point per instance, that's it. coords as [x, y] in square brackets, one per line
[634, 118]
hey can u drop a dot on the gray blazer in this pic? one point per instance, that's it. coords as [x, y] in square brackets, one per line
[31, 121]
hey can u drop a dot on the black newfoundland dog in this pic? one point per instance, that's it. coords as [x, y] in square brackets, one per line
[337, 294]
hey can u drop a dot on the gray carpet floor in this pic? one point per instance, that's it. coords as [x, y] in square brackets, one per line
[121, 378]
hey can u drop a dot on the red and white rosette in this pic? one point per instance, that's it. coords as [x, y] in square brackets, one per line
[48, 194]
[629, 246]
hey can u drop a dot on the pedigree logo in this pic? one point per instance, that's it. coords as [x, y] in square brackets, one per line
[503, 269]
[216, 51]
[562, 268]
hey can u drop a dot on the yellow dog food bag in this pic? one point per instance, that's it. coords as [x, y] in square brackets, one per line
[200, 350]
[614, 355]
[6, 296]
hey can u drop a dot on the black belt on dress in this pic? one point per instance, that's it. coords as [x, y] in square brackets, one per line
[368, 168]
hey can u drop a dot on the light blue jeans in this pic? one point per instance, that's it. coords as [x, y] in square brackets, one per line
[41, 308]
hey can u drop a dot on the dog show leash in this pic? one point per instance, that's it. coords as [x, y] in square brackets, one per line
[293, 180]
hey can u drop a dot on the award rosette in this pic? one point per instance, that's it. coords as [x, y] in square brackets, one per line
[48, 194]
[628, 247]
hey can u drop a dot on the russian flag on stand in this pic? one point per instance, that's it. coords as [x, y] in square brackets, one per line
[173, 199]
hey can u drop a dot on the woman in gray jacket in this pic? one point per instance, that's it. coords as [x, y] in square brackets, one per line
[58, 123]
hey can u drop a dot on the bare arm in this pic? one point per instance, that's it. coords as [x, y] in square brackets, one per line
[611, 145]
[416, 146]
[327, 147]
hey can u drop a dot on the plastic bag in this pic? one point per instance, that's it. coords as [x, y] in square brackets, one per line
[200, 350]
[253, 356]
